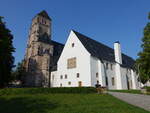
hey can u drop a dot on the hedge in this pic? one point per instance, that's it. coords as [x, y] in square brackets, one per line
[148, 89]
[18, 91]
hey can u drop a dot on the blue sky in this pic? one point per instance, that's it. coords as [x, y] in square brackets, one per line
[106, 21]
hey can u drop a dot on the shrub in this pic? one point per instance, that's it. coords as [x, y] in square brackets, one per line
[15, 91]
[147, 88]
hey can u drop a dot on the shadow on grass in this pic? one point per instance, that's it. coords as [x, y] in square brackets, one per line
[26, 105]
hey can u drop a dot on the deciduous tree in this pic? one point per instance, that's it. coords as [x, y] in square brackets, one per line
[143, 62]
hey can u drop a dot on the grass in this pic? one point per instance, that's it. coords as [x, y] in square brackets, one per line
[128, 91]
[64, 103]
[16, 91]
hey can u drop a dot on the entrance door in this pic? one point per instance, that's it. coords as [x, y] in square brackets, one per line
[80, 84]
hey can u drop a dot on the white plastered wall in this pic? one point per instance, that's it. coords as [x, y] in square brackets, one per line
[82, 64]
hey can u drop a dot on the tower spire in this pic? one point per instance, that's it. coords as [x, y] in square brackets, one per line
[44, 14]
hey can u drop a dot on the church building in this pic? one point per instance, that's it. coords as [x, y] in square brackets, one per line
[81, 62]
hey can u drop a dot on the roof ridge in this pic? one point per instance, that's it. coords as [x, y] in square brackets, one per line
[92, 39]
[98, 42]
[101, 50]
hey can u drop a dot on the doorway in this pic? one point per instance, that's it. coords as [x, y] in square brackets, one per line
[80, 84]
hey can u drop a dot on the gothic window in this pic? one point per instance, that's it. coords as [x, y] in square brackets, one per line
[78, 75]
[71, 63]
[113, 81]
[40, 51]
[47, 51]
[97, 74]
[40, 30]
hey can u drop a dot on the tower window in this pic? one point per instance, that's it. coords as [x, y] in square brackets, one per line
[78, 75]
[65, 76]
[72, 44]
[97, 74]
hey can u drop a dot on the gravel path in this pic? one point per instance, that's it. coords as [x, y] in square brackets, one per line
[139, 100]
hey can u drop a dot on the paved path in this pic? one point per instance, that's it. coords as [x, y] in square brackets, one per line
[139, 100]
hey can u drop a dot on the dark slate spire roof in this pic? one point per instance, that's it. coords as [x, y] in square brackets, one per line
[102, 51]
[44, 14]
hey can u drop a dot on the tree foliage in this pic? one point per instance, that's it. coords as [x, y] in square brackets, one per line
[6, 50]
[19, 73]
[143, 62]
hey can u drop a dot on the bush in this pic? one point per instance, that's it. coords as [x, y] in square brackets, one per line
[16, 91]
[147, 88]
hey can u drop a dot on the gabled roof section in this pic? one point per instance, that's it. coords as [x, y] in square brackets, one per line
[58, 47]
[44, 14]
[102, 51]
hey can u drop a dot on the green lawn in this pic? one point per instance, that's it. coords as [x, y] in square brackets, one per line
[128, 91]
[64, 103]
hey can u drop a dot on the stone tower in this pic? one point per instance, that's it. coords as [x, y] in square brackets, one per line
[39, 51]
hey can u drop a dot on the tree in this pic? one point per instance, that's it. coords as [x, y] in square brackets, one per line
[19, 73]
[6, 50]
[143, 62]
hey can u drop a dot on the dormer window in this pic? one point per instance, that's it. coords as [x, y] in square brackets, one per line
[72, 44]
